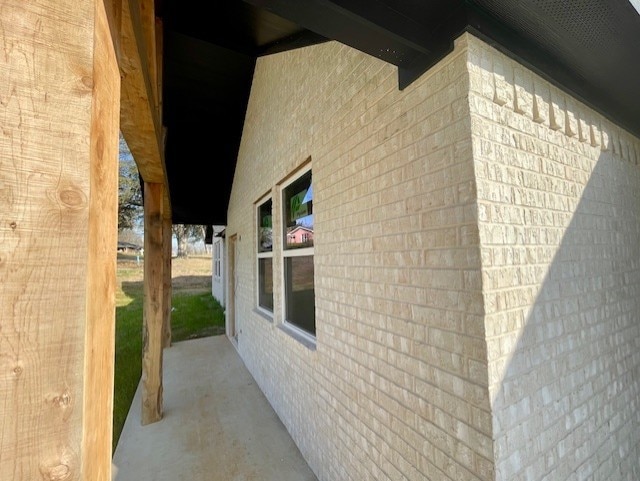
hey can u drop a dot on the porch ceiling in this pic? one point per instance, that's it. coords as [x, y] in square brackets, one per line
[588, 47]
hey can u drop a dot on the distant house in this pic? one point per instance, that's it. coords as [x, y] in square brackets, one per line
[128, 247]
[300, 235]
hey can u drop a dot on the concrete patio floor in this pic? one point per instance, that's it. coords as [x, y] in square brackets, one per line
[217, 424]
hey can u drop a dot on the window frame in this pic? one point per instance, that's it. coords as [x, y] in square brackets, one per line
[263, 255]
[307, 337]
[217, 261]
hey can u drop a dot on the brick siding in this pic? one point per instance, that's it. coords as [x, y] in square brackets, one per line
[476, 270]
[559, 219]
[396, 387]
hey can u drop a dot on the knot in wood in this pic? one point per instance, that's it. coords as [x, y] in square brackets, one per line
[87, 81]
[64, 400]
[57, 473]
[72, 198]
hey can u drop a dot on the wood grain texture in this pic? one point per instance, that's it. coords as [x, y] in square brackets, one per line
[148, 25]
[48, 145]
[153, 304]
[113, 9]
[139, 120]
[101, 257]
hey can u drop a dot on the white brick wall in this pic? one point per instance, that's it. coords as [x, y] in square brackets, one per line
[559, 221]
[397, 387]
[477, 270]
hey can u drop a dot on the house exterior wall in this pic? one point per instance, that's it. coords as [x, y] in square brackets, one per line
[559, 220]
[396, 385]
[476, 270]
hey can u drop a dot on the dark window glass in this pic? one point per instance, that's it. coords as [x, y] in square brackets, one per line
[265, 283]
[299, 292]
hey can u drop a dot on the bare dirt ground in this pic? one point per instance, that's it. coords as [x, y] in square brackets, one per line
[191, 273]
[188, 274]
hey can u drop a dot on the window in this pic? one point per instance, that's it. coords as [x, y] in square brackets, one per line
[216, 259]
[265, 256]
[299, 295]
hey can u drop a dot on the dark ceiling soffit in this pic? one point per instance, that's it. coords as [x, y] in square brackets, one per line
[448, 28]
[373, 27]
[370, 27]
[304, 38]
[545, 64]
[408, 74]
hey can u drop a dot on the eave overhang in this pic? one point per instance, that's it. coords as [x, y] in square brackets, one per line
[589, 49]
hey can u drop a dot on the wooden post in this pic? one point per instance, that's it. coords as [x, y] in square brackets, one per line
[153, 303]
[102, 256]
[167, 289]
[60, 91]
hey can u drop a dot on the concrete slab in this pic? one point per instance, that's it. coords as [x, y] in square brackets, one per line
[217, 424]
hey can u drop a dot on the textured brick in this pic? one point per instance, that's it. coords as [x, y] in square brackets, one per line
[477, 270]
[558, 228]
[396, 260]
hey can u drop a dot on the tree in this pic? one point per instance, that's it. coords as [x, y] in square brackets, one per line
[130, 236]
[130, 204]
[185, 233]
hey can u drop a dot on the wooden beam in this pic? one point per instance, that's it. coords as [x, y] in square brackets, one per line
[102, 255]
[152, 304]
[139, 121]
[113, 10]
[167, 287]
[59, 84]
[148, 24]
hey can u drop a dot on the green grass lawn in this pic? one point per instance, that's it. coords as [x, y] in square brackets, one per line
[194, 315]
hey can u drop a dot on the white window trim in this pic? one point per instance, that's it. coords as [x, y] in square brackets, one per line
[263, 255]
[300, 252]
[217, 260]
[304, 336]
